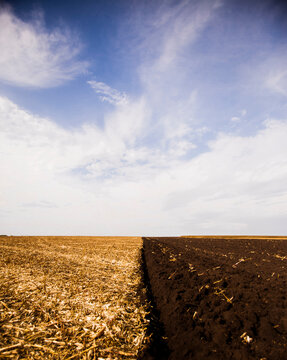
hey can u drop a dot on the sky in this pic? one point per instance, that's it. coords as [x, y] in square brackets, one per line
[143, 117]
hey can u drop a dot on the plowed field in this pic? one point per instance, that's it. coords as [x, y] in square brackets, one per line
[220, 298]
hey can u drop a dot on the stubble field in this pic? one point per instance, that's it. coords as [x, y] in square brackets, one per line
[71, 298]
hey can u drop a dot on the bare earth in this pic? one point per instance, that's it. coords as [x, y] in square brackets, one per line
[221, 298]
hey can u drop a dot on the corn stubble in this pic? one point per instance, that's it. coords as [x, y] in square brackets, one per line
[71, 298]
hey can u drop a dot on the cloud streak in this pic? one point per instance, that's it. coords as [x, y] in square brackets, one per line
[167, 35]
[32, 56]
[106, 93]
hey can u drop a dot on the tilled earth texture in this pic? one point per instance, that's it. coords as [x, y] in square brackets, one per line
[220, 298]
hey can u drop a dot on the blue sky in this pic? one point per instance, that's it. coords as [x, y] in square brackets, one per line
[143, 117]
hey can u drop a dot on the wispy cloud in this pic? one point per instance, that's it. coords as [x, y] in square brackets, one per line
[277, 81]
[267, 76]
[40, 204]
[168, 34]
[235, 119]
[106, 93]
[164, 31]
[182, 29]
[33, 56]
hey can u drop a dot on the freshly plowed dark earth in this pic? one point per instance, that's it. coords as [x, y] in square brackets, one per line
[220, 298]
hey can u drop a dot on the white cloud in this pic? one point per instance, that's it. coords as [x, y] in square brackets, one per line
[268, 75]
[277, 81]
[239, 181]
[235, 119]
[92, 181]
[33, 56]
[106, 93]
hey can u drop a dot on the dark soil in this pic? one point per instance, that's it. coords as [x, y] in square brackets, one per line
[156, 347]
[220, 298]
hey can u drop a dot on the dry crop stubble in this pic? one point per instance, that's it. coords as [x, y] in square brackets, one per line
[71, 298]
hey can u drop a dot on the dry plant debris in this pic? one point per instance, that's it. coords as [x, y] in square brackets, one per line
[71, 298]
